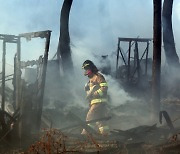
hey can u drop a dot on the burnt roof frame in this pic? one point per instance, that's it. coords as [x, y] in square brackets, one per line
[131, 42]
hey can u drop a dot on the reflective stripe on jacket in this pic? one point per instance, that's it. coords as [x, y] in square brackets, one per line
[100, 100]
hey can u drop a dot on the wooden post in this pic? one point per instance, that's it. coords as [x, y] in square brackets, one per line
[117, 58]
[42, 81]
[3, 75]
[18, 73]
[156, 70]
[129, 60]
[147, 52]
[137, 61]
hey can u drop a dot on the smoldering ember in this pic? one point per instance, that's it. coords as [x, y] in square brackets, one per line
[130, 103]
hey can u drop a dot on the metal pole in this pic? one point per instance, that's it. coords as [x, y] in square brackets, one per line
[156, 71]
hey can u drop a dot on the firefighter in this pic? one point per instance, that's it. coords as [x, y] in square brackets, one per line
[96, 90]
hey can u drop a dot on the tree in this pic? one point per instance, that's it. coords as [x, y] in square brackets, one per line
[64, 50]
[168, 37]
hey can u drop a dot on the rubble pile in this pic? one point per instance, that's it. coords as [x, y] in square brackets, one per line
[56, 141]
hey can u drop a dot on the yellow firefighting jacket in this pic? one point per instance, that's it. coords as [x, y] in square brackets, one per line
[100, 94]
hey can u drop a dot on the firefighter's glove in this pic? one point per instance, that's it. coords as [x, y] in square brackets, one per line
[90, 93]
[95, 93]
[86, 87]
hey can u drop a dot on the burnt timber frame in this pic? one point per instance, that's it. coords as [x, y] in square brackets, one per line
[18, 83]
[41, 82]
[131, 42]
[9, 39]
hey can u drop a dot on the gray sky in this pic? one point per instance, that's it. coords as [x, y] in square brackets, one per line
[94, 24]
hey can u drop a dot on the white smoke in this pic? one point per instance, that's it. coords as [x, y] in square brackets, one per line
[177, 9]
[117, 93]
[95, 26]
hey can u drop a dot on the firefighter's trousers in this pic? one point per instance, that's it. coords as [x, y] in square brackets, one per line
[98, 111]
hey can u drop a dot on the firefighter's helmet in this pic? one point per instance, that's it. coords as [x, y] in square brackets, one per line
[89, 65]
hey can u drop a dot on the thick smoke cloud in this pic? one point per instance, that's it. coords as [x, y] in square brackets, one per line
[95, 26]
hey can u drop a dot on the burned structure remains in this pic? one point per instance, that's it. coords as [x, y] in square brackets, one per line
[26, 102]
[135, 65]
[22, 122]
[26, 126]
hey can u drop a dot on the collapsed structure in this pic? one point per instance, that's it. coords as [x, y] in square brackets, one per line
[22, 124]
[24, 107]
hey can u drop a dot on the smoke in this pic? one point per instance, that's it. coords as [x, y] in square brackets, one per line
[176, 24]
[95, 26]
[117, 94]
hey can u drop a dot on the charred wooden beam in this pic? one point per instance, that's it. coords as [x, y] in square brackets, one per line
[136, 60]
[86, 122]
[9, 38]
[147, 58]
[168, 120]
[131, 42]
[129, 59]
[30, 63]
[41, 85]
[41, 34]
[156, 71]
[3, 75]
[6, 39]
[83, 124]
[117, 57]
[134, 39]
[17, 71]
[145, 52]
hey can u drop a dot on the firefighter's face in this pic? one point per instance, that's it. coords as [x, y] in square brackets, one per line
[88, 73]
